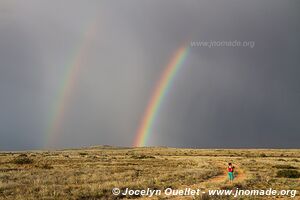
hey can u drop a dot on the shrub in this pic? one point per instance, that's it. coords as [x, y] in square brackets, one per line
[141, 156]
[284, 167]
[262, 155]
[280, 159]
[21, 160]
[44, 166]
[288, 173]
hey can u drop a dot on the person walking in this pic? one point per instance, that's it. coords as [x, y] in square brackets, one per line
[230, 170]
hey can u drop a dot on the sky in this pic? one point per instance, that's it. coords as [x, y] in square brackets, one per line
[222, 97]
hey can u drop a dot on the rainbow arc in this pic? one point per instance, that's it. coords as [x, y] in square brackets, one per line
[158, 95]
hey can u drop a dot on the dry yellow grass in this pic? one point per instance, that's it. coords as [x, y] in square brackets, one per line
[91, 173]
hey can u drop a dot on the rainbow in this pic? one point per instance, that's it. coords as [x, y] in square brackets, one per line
[159, 93]
[67, 85]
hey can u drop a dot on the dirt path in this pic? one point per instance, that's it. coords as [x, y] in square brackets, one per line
[222, 179]
[240, 175]
[217, 181]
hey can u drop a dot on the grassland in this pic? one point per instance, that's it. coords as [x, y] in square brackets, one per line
[91, 173]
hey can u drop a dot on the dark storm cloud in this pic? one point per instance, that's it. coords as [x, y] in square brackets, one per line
[222, 97]
[20, 88]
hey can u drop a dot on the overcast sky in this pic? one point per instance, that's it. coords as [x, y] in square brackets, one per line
[222, 97]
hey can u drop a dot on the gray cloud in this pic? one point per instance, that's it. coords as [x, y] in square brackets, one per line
[222, 97]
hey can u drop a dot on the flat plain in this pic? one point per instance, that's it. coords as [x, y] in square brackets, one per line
[92, 172]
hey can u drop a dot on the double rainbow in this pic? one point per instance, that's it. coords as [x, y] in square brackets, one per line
[69, 81]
